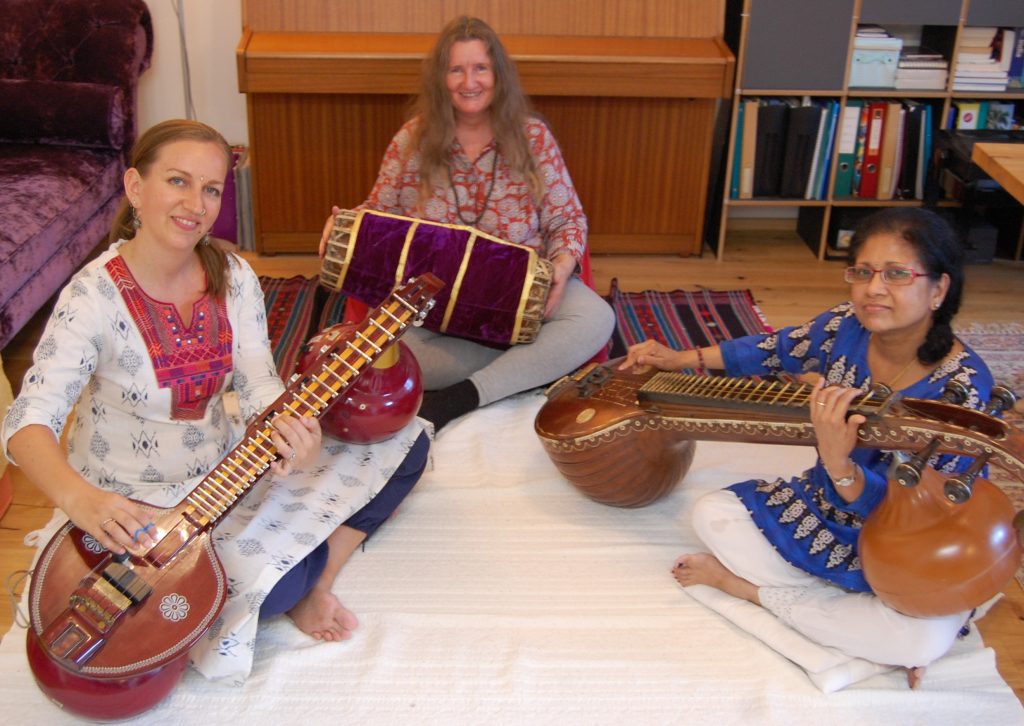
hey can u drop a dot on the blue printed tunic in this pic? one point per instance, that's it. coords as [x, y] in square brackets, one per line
[804, 518]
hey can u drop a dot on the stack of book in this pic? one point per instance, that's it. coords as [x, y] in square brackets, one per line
[983, 59]
[922, 71]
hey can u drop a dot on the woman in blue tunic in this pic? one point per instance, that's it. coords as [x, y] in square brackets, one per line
[791, 545]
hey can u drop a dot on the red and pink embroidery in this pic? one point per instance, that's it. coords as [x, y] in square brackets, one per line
[192, 361]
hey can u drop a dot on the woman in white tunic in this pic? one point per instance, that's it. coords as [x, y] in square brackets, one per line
[145, 340]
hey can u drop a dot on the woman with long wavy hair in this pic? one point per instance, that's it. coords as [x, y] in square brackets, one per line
[473, 154]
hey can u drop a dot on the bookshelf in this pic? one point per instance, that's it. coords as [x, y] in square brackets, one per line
[801, 51]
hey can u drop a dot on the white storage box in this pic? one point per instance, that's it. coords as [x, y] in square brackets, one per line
[874, 62]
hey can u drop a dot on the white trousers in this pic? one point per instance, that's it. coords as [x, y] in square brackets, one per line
[856, 623]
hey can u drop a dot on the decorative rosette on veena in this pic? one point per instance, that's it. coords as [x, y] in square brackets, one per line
[494, 293]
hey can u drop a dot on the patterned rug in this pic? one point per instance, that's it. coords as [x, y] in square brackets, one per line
[682, 319]
[297, 308]
[289, 303]
[1001, 345]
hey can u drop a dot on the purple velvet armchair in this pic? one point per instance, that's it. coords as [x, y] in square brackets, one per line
[69, 71]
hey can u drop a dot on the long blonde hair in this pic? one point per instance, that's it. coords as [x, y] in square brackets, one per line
[145, 151]
[433, 135]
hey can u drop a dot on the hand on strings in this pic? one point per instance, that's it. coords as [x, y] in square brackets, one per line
[565, 265]
[325, 235]
[652, 353]
[297, 439]
[835, 430]
[114, 521]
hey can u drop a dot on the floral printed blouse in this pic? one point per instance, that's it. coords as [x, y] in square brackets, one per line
[488, 188]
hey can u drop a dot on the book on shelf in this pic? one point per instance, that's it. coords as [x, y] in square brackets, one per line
[772, 118]
[749, 148]
[817, 182]
[1003, 47]
[914, 84]
[906, 184]
[801, 143]
[848, 128]
[734, 172]
[968, 114]
[978, 32]
[889, 154]
[925, 79]
[925, 151]
[923, 60]
[978, 86]
[1016, 71]
[868, 30]
[858, 155]
[980, 70]
[872, 150]
[1001, 116]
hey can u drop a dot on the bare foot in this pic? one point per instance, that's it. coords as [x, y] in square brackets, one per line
[703, 568]
[914, 676]
[321, 615]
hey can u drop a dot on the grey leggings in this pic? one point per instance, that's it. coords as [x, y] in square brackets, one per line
[581, 325]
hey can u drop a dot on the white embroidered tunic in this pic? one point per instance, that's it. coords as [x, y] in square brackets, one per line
[151, 422]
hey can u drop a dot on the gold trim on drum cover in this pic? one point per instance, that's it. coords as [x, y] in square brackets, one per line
[458, 281]
[524, 295]
[404, 257]
[350, 249]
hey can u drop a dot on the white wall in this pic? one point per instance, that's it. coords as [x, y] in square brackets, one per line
[212, 31]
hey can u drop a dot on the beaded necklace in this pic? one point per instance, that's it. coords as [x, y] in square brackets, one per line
[487, 198]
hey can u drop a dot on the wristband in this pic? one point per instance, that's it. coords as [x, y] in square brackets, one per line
[701, 366]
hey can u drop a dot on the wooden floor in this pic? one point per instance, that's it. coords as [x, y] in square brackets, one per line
[790, 286]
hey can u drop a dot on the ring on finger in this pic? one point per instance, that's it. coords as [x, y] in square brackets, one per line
[292, 456]
[821, 403]
[105, 522]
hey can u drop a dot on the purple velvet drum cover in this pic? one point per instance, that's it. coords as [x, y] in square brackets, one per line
[494, 291]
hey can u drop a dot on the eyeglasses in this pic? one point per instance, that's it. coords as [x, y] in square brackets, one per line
[890, 275]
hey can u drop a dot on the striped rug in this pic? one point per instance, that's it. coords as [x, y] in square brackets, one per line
[682, 319]
[297, 308]
[290, 303]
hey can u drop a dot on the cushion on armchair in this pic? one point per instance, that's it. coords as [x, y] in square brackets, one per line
[63, 113]
[69, 71]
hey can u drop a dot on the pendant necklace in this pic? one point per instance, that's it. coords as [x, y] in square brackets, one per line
[895, 379]
[487, 198]
[899, 375]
